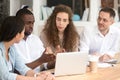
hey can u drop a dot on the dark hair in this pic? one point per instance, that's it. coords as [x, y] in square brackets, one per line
[25, 7]
[10, 27]
[108, 10]
[23, 12]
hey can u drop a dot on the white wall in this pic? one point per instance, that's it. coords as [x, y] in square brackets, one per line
[26, 2]
[36, 12]
[94, 8]
[43, 2]
[14, 6]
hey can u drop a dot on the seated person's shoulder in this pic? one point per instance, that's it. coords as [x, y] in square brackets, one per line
[89, 30]
[34, 36]
[115, 29]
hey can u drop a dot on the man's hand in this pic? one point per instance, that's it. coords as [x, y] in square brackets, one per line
[47, 56]
[105, 58]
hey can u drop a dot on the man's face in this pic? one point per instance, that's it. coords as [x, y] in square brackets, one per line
[29, 23]
[104, 21]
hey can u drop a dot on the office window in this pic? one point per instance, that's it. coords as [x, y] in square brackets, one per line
[77, 6]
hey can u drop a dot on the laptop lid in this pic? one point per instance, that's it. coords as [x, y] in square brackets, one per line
[70, 63]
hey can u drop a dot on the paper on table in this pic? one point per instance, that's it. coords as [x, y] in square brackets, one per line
[104, 65]
[112, 61]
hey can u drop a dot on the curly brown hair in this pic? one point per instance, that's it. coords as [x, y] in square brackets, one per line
[70, 37]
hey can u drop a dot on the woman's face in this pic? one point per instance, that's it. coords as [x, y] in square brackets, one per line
[62, 20]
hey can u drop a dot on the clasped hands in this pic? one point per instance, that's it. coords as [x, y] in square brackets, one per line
[104, 57]
[44, 75]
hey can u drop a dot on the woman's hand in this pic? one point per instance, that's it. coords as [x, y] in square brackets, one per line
[45, 76]
[59, 49]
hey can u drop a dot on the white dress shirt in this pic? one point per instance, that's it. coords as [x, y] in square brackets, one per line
[31, 49]
[93, 41]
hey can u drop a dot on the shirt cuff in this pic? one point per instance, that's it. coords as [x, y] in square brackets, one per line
[45, 65]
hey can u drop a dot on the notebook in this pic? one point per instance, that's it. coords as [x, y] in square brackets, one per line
[71, 63]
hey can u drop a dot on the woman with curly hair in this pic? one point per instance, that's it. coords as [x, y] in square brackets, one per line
[59, 30]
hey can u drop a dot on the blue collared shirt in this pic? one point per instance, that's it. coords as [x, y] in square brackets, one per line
[17, 63]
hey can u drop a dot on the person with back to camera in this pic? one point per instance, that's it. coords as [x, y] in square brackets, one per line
[30, 47]
[103, 39]
[60, 32]
[12, 31]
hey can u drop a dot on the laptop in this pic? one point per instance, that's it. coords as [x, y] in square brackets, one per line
[71, 63]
